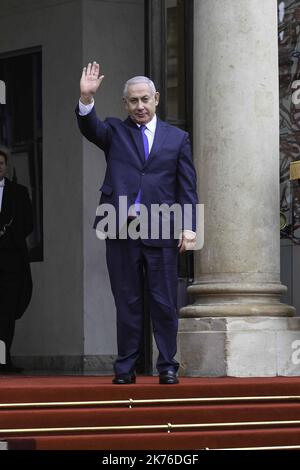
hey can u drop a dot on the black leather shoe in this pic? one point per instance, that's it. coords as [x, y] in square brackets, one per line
[168, 377]
[124, 379]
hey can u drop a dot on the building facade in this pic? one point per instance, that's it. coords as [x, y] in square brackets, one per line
[216, 65]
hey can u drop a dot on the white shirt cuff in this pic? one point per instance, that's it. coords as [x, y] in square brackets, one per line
[189, 234]
[85, 109]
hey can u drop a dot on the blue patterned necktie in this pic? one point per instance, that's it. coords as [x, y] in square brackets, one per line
[146, 151]
[145, 141]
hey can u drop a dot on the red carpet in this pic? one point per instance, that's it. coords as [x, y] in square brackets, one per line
[68, 388]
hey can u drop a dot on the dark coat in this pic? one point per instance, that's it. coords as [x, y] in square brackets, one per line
[21, 227]
[167, 176]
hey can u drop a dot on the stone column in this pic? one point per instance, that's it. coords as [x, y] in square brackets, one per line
[236, 150]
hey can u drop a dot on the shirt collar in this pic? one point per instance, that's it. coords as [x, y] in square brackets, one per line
[2, 183]
[151, 125]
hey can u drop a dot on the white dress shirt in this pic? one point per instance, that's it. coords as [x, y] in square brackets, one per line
[150, 131]
[2, 183]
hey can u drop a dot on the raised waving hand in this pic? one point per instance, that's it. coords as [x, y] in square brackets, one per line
[90, 82]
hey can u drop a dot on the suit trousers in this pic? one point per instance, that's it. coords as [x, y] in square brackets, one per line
[126, 261]
[10, 287]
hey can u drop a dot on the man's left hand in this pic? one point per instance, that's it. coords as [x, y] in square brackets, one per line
[187, 241]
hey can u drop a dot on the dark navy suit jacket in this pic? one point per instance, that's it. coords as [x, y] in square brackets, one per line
[167, 176]
[21, 211]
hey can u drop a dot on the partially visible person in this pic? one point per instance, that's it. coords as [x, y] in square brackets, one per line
[16, 223]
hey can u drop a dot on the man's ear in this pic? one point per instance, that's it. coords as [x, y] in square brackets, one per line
[157, 96]
[125, 102]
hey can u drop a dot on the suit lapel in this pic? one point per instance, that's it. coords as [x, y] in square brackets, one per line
[7, 201]
[136, 137]
[159, 138]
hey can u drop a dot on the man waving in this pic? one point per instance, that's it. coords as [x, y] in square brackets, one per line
[150, 163]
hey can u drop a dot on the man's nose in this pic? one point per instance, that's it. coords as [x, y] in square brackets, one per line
[140, 104]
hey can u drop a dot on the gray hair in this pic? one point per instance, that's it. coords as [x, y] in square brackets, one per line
[138, 79]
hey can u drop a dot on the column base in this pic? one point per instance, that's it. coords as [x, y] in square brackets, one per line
[222, 299]
[239, 310]
[260, 346]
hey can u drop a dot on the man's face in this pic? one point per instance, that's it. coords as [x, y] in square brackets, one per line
[3, 167]
[140, 103]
